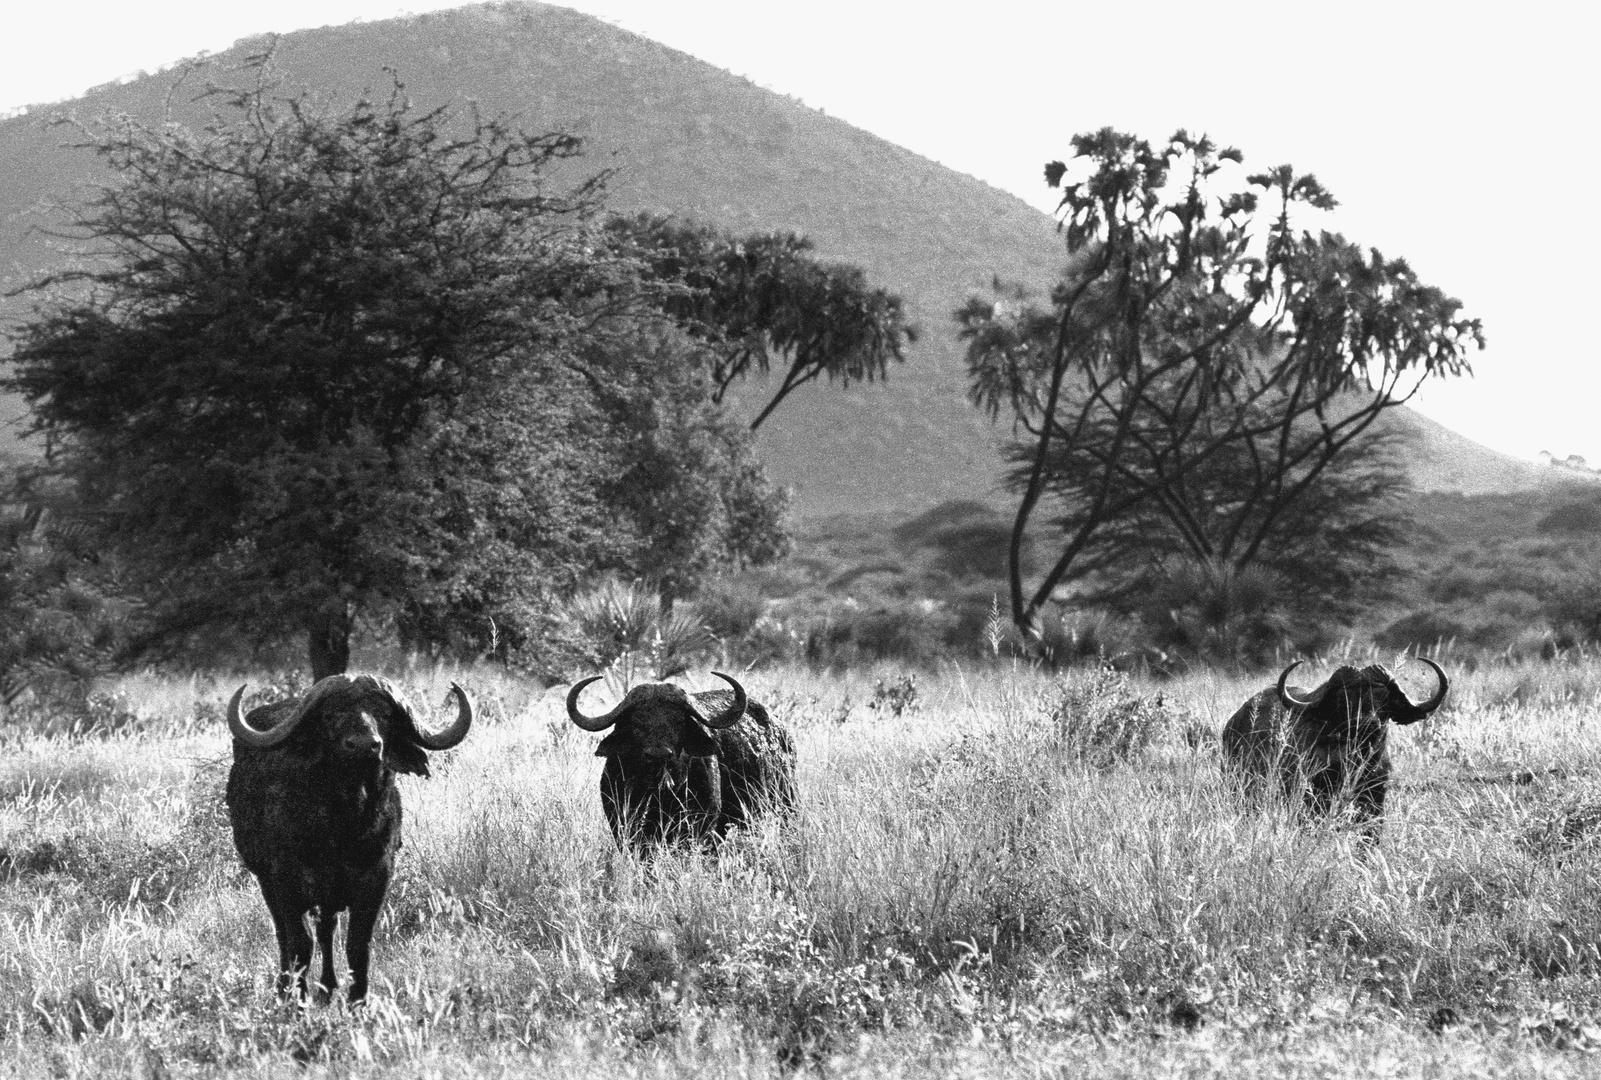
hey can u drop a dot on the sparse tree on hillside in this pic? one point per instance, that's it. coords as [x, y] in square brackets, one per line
[763, 301]
[1203, 366]
[330, 366]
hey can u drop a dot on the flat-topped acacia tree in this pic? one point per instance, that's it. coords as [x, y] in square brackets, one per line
[1203, 366]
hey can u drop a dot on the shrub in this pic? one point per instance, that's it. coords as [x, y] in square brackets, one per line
[1101, 719]
[626, 620]
[730, 607]
[895, 697]
[911, 631]
[1575, 612]
[1074, 636]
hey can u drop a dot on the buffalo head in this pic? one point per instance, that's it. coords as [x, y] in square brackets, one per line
[352, 721]
[1354, 699]
[658, 723]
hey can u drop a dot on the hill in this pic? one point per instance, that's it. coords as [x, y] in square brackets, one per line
[1441, 460]
[691, 139]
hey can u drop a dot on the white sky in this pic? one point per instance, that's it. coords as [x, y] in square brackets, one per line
[1465, 136]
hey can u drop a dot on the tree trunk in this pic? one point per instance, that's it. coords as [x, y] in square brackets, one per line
[328, 634]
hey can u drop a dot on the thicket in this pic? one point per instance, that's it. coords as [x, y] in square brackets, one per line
[1481, 577]
[1509, 574]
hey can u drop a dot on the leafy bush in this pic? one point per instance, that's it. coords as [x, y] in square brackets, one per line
[1101, 719]
[853, 633]
[895, 696]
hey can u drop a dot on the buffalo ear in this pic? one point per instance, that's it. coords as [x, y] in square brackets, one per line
[612, 745]
[406, 757]
[697, 743]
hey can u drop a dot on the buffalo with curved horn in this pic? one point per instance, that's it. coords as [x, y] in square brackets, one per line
[682, 766]
[316, 811]
[1328, 745]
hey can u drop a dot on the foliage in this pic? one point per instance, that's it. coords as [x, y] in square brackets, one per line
[625, 624]
[1498, 573]
[762, 300]
[895, 697]
[1102, 718]
[369, 365]
[1201, 366]
[1325, 559]
[682, 480]
[61, 614]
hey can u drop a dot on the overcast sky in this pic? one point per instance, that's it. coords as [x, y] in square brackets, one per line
[1463, 136]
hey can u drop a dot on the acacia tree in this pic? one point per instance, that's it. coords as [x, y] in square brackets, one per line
[1318, 559]
[763, 301]
[335, 365]
[1203, 362]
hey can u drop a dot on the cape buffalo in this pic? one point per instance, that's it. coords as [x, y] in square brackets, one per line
[683, 767]
[316, 812]
[1329, 744]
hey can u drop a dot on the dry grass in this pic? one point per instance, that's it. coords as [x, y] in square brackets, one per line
[1009, 880]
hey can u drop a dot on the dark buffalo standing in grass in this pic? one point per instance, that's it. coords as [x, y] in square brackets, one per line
[686, 767]
[1327, 746]
[316, 812]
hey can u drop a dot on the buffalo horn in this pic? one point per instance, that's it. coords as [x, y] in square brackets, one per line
[591, 723]
[730, 716]
[1289, 699]
[261, 740]
[456, 732]
[1439, 695]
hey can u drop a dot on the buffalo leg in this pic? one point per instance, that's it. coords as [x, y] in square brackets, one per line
[327, 919]
[358, 938]
[286, 954]
[294, 943]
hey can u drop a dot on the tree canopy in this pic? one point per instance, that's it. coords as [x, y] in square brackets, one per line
[1202, 368]
[327, 365]
[763, 301]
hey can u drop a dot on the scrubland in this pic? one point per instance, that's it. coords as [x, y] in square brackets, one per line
[994, 872]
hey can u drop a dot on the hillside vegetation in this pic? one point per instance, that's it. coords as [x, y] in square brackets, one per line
[1481, 577]
[1061, 881]
[688, 138]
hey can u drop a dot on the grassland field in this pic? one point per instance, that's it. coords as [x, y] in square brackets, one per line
[1021, 875]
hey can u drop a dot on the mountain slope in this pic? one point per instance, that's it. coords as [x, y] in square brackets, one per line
[691, 139]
